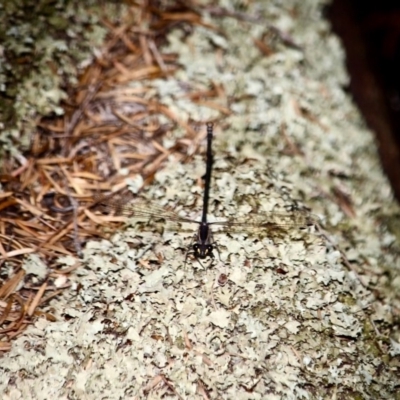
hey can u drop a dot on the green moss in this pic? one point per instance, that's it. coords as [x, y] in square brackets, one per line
[347, 299]
[42, 44]
[180, 343]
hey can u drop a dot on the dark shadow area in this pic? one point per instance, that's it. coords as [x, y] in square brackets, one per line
[370, 33]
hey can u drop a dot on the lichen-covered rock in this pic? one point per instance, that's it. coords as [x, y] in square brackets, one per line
[307, 314]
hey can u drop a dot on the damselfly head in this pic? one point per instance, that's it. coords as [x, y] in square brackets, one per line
[203, 250]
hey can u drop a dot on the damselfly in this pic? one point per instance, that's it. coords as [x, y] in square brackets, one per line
[203, 244]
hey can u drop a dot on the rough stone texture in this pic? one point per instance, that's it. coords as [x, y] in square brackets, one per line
[307, 314]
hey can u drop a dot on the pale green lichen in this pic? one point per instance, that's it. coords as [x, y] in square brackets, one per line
[293, 320]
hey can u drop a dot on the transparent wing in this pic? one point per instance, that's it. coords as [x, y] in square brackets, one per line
[252, 222]
[267, 221]
[140, 209]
